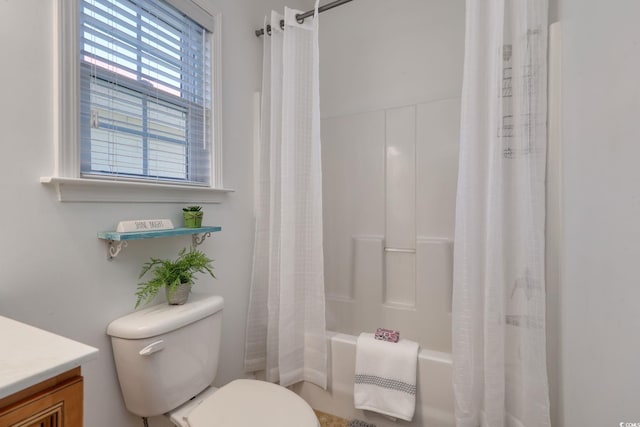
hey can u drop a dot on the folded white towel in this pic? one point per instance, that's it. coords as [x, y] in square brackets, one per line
[385, 379]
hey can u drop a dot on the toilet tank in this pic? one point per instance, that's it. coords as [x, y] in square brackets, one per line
[167, 354]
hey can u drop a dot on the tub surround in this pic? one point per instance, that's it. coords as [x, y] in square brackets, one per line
[30, 355]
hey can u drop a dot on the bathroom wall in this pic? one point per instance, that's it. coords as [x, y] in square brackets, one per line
[390, 82]
[54, 270]
[599, 292]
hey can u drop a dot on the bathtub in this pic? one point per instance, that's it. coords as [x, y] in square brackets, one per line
[434, 401]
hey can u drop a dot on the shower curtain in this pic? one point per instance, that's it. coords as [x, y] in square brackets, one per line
[499, 351]
[285, 333]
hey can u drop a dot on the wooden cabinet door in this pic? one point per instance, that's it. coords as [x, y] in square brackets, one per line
[59, 406]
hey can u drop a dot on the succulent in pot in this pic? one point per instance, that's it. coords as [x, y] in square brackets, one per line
[176, 276]
[192, 216]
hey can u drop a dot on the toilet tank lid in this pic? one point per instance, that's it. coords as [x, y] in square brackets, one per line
[163, 318]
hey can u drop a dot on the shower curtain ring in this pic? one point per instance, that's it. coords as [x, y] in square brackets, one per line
[268, 29]
[299, 19]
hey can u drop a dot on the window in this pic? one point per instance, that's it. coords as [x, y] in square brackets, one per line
[145, 93]
[137, 102]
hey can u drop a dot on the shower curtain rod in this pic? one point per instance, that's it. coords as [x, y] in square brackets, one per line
[300, 17]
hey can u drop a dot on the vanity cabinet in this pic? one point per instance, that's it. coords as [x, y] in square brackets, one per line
[40, 380]
[56, 402]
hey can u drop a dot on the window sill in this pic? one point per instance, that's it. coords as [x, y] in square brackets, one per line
[94, 190]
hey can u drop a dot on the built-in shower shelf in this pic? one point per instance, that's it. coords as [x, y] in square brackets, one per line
[117, 240]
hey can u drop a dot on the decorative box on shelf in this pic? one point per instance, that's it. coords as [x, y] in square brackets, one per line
[144, 225]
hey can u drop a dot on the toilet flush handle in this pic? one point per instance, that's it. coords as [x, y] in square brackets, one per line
[154, 347]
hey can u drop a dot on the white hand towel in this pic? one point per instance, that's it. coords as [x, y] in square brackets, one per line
[385, 379]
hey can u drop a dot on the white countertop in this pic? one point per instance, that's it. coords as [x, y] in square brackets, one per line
[30, 355]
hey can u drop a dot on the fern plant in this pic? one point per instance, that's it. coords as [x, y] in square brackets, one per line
[172, 273]
[192, 209]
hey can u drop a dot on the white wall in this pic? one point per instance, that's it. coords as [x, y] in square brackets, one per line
[390, 81]
[379, 54]
[54, 270]
[599, 293]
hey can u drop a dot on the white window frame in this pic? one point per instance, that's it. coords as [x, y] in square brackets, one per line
[66, 178]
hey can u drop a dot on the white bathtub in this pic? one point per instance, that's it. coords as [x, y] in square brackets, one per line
[434, 402]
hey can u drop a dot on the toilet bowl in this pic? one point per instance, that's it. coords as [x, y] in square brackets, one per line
[246, 403]
[166, 359]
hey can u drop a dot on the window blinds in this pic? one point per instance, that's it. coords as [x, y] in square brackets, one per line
[145, 92]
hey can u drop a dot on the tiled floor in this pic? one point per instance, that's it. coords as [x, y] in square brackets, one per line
[328, 420]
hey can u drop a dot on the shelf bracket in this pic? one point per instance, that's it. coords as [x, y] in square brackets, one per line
[197, 240]
[114, 248]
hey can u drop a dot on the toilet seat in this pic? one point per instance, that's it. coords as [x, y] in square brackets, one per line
[250, 403]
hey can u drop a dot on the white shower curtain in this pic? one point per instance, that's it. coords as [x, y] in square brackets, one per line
[285, 334]
[499, 351]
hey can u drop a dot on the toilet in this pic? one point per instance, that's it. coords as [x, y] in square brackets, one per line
[167, 356]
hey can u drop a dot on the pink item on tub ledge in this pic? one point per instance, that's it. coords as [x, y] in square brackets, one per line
[387, 335]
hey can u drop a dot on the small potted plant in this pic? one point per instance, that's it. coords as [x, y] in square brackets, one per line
[192, 216]
[176, 276]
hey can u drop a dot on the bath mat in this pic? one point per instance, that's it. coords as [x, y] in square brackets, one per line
[360, 423]
[328, 420]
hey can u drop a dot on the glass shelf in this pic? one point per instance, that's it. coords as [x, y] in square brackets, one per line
[116, 240]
